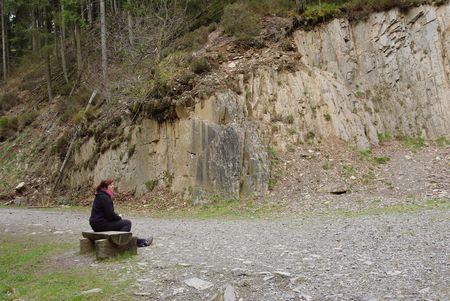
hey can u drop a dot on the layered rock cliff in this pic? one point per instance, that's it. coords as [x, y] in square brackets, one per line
[354, 81]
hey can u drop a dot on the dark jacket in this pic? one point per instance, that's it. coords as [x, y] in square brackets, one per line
[102, 209]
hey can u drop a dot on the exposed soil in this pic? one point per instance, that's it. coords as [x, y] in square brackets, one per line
[333, 175]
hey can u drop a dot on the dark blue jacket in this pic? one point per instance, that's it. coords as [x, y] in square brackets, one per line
[102, 210]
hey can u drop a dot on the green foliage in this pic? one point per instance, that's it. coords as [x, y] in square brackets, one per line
[200, 65]
[365, 154]
[414, 143]
[69, 108]
[275, 172]
[384, 137]
[368, 177]
[221, 207]
[349, 171]
[282, 8]
[27, 118]
[240, 21]
[8, 127]
[443, 141]
[382, 159]
[83, 115]
[194, 39]
[321, 12]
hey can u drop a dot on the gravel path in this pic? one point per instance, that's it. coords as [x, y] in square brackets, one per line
[397, 256]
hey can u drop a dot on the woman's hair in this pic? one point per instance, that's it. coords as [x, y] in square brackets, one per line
[104, 184]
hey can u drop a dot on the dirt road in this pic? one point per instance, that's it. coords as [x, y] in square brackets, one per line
[395, 256]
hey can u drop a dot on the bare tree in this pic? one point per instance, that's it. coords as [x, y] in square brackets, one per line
[103, 38]
[130, 25]
[63, 52]
[5, 63]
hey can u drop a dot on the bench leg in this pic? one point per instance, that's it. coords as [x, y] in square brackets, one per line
[86, 246]
[106, 249]
[132, 246]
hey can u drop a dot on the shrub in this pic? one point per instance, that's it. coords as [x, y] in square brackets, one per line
[194, 39]
[8, 127]
[319, 13]
[200, 65]
[281, 8]
[27, 118]
[62, 145]
[8, 100]
[240, 21]
[414, 143]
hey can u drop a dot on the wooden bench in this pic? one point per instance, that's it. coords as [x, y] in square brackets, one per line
[108, 244]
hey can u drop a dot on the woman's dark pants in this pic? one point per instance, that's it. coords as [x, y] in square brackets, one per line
[120, 225]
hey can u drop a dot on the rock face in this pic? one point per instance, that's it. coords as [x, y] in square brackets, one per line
[394, 68]
[387, 75]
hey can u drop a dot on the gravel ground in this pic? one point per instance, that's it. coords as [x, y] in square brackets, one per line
[396, 256]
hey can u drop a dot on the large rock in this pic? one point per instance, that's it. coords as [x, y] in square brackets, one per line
[352, 81]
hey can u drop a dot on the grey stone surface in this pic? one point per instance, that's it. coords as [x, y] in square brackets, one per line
[326, 256]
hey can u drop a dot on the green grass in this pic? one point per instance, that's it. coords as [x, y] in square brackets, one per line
[217, 208]
[275, 172]
[27, 272]
[443, 141]
[382, 159]
[414, 143]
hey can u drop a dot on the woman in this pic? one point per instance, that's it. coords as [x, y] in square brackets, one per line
[104, 218]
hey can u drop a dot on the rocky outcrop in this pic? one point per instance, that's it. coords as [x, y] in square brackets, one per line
[387, 75]
[194, 156]
[395, 68]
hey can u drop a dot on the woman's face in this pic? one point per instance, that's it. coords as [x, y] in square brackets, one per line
[111, 187]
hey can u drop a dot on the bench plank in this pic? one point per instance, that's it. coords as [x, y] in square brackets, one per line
[118, 238]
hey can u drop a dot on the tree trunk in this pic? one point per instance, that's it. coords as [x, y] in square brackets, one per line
[63, 48]
[89, 13]
[46, 52]
[5, 63]
[33, 30]
[130, 25]
[78, 47]
[48, 75]
[103, 38]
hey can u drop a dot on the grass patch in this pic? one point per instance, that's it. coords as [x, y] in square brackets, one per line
[25, 274]
[382, 159]
[443, 141]
[275, 172]
[384, 137]
[349, 171]
[414, 143]
[225, 208]
[365, 154]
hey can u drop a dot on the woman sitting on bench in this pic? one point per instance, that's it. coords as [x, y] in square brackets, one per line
[104, 218]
